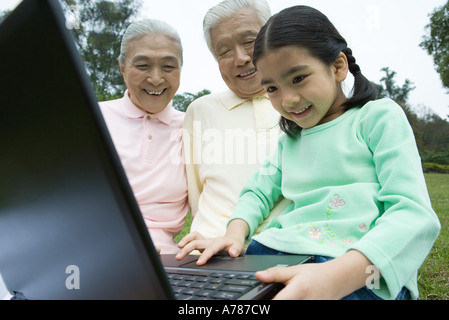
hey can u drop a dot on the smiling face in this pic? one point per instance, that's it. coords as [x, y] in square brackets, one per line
[301, 87]
[233, 44]
[152, 71]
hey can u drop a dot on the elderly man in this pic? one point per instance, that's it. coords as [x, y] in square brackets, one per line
[228, 135]
[146, 130]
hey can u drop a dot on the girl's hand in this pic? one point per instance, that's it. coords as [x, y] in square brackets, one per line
[233, 243]
[331, 280]
[210, 247]
[302, 282]
[189, 238]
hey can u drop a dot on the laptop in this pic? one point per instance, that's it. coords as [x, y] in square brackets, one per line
[70, 227]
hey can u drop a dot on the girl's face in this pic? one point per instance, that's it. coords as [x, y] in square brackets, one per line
[302, 88]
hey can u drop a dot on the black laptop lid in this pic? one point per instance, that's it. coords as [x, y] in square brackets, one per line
[70, 227]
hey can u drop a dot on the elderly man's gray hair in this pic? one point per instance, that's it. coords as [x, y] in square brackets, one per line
[228, 8]
[147, 27]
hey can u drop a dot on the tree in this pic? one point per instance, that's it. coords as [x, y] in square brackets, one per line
[98, 28]
[436, 41]
[431, 132]
[391, 90]
[182, 101]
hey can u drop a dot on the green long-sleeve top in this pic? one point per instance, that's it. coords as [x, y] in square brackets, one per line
[356, 183]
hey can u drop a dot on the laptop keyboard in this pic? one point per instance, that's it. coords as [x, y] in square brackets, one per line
[211, 286]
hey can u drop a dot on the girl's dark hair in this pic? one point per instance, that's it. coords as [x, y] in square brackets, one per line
[309, 28]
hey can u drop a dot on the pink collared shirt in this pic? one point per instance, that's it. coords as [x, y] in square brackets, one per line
[150, 149]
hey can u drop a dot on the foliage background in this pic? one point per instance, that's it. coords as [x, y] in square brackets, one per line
[98, 27]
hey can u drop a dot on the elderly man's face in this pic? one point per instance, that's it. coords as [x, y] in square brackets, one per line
[152, 71]
[233, 44]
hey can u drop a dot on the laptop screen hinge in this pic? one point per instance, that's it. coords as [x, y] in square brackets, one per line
[18, 296]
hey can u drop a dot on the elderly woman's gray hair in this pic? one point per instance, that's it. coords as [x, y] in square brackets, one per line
[228, 8]
[147, 27]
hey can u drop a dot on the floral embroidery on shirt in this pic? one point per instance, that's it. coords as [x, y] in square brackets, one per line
[325, 234]
[315, 233]
[363, 227]
[334, 205]
[337, 202]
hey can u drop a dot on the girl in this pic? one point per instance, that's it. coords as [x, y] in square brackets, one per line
[350, 166]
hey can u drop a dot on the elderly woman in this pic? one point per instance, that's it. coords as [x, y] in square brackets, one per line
[146, 130]
[228, 135]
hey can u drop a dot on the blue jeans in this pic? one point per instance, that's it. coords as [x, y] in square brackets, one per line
[364, 293]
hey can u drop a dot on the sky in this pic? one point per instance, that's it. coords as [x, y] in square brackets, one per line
[381, 33]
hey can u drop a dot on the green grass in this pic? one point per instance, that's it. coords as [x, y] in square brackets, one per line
[433, 277]
[186, 229]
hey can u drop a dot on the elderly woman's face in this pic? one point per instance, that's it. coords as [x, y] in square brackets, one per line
[152, 71]
[233, 44]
